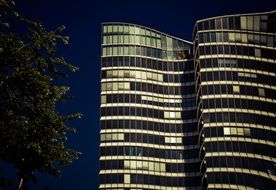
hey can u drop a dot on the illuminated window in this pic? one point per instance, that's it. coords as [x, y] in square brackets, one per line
[172, 115]
[243, 22]
[151, 166]
[115, 28]
[126, 164]
[137, 30]
[126, 29]
[127, 178]
[103, 99]
[105, 29]
[137, 40]
[102, 137]
[236, 89]
[158, 43]
[104, 51]
[237, 37]
[121, 29]
[261, 92]
[104, 40]
[257, 23]
[226, 131]
[131, 30]
[114, 50]
[244, 38]
[250, 22]
[103, 86]
[109, 29]
[173, 140]
[246, 131]
[160, 77]
[115, 39]
[257, 52]
[126, 52]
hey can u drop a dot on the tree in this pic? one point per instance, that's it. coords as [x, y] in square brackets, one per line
[32, 131]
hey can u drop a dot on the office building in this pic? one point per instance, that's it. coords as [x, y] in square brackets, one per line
[236, 95]
[149, 138]
[189, 115]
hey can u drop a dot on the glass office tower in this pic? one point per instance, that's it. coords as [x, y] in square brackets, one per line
[236, 97]
[149, 136]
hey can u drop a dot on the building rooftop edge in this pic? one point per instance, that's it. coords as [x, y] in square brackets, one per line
[186, 41]
[243, 14]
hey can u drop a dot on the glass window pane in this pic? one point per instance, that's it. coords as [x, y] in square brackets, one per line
[126, 52]
[126, 29]
[244, 38]
[114, 50]
[109, 28]
[257, 23]
[236, 89]
[109, 74]
[257, 52]
[231, 37]
[115, 39]
[104, 29]
[121, 28]
[261, 92]
[137, 30]
[104, 39]
[137, 40]
[104, 51]
[115, 28]
[131, 30]
[243, 22]
[127, 178]
[131, 39]
[250, 22]
[126, 41]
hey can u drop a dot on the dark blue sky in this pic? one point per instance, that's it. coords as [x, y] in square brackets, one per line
[83, 19]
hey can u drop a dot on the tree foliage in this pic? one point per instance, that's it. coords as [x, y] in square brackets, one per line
[32, 131]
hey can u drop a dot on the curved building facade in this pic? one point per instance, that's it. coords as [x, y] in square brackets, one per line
[149, 137]
[236, 97]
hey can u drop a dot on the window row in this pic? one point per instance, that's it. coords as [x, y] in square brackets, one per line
[149, 125]
[147, 63]
[148, 138]
[241, 162]
[243, 147]
[149, 152]
[249, 180]
[234, 131]
[132, 39]
[148, 75]
[263, 23]
[147, 87]
[144, 165]
[145, 112]
[145, 51]
[237, 76]
[150, 179]
[239, 118]
[151, 166]
[248, 38]
[237, 50]
[237, 63]
[241, 89]
[144, 75]
[135, 98]
[132, 98]
[239, 103]
[237, 131]
[129, 29]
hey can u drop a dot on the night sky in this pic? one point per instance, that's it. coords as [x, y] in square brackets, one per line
[83, 19]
